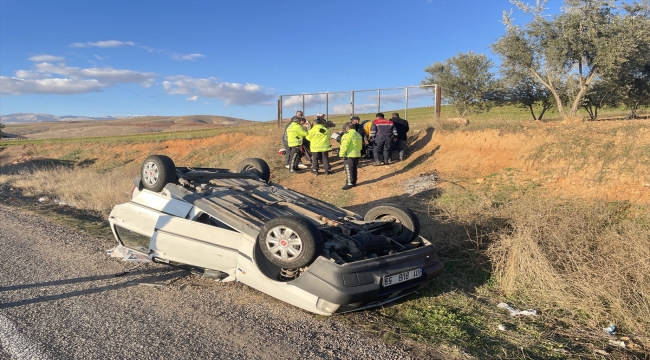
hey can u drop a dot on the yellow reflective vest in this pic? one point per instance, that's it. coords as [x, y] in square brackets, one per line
[295, 133]
[319, 138]
[351, 143]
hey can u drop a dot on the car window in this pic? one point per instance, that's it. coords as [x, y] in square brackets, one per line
[132, 239]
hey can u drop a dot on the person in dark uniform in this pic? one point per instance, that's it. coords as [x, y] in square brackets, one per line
[383, 132]
[402, 127]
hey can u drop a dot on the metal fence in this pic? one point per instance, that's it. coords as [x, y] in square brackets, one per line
[361, 102]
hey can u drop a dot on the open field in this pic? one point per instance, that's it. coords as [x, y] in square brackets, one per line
[550, 215]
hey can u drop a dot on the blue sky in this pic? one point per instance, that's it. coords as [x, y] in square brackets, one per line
[230, 58]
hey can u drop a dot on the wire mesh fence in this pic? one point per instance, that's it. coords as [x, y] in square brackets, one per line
[420, 101]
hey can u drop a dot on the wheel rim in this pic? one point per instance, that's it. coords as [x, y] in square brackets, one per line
[150, 173]
[284, 243]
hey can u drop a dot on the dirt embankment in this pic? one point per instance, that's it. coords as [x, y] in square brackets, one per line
[596, 160]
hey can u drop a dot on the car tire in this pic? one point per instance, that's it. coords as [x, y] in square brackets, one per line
[407, 224]
[290, 242]
[157, 171]
[258, 166]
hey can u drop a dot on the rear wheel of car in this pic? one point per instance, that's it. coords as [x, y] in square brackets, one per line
[290, 242]
[258, 166]
[406, 225]
[157, 171]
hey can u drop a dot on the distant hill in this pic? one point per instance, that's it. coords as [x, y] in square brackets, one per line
[44, 126]
[26, 118]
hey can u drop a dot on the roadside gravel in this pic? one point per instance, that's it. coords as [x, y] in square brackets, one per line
[61, 296]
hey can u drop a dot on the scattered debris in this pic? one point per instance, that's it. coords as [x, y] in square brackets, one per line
[601, 352]
[515, 312]
[43, 199]
[126, 254]
[610, 329]
[501, 327]
[421, 183]
[617, 343]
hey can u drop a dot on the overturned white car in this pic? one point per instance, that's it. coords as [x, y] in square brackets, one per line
[298, 249]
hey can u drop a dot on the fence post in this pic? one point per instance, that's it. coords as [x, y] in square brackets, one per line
[352, 103]
[280, 111]
[379, 100]
[406, 102]
[327, 105]
[438, 93]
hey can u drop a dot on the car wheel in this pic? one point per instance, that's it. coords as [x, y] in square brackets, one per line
[258, 166]
[406, 224]
[290, 242]
[157, 171]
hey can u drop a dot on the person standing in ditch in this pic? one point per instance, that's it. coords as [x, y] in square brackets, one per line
[295, 133]
[383, 132]
[350, 152]
[300, 119]
[319, 144]
[402, 127]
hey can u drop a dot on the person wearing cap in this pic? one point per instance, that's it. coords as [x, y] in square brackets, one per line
[299, 118]
[319, 144]
[402, 127]
[295, 134]
[350, 152]
[353, 120]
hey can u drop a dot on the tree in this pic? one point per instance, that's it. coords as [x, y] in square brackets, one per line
[466, 82]
[524, 91]
[588, 38]
[1, 127]
[601, 94]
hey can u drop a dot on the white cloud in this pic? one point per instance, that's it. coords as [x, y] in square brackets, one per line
[191, 57]
[63, 80]
[46, 58]
[193, 98]
[102, 44]
[230, 93]
[100, 57]
[16, 86]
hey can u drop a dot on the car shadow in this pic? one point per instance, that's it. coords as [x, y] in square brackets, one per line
[158, 275]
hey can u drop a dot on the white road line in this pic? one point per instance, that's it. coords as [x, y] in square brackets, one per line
[14, 343]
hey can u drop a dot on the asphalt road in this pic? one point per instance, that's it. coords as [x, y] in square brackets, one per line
[62, 297]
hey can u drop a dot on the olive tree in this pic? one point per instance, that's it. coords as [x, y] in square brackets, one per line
[466, 82]
[588, 38]
[522, 90]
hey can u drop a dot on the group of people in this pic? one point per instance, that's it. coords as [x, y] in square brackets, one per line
[380, 137]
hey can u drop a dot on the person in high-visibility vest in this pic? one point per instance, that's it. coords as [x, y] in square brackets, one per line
[295, 134]
[350, 152]
[319, 144]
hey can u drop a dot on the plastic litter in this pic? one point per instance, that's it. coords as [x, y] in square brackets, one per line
[126, 254]
[501, 327]
[610, 329]
[515, 312]
[617, 343]
[601, 352]
[43, 199]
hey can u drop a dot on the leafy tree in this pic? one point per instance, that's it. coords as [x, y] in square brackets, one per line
[601, 94]
[524, 91]
[589, 37]
[1, 127]
[466, 82]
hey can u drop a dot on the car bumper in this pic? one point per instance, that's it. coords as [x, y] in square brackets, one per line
[359, 285]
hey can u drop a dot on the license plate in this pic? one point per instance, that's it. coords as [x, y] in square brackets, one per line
[401, 277]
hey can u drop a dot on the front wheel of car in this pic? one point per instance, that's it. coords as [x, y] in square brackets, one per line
[157, 171]
[257, 166]
[290, 242]
[406, 225]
